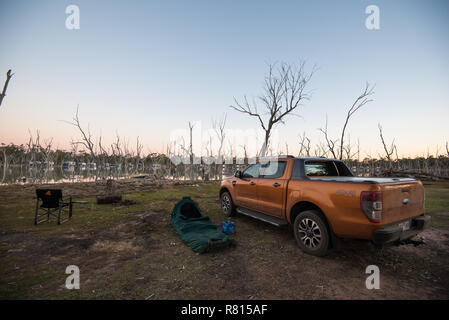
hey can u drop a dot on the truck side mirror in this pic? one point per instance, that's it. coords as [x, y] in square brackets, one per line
[238, 174]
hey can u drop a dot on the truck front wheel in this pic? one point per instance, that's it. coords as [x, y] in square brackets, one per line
[227, 206]
[311, 233]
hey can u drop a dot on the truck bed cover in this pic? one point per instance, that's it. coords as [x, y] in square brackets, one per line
[372, 180]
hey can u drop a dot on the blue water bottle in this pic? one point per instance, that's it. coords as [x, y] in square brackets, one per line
[228, 227]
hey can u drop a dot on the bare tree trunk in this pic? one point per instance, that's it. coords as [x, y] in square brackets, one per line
[387, 152]
[5, 164]
[5, 86]
[357, 168]
[263, 150]
[138, 151]
[358, 103]
[219, 128]
[330, 142]
[191, 125]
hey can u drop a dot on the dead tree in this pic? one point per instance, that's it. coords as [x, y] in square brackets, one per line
[117, 151]
[388, 152]
[231, 154]
[320, 150]
[330, 143]
[447, 148]
[347, 149]
[33, 150]
[185, 154]
[284, 92]
[398, 162]
[126, 155]
[358, 103]
[86, 139]
[357, 167]
[118, 154]
[138, 153]
[245, 153]
[103, 153]
[304, 144]
[5, 86]
[5, 161]
[169, 154]
[45, 150]
[73, 154]
[208, 161]
[219, 128]
[191, 126]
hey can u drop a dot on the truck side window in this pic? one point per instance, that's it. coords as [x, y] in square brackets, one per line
[272, 169]
[320, 168]
[252, 171]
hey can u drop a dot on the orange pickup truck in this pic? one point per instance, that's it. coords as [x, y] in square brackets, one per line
[323, 202]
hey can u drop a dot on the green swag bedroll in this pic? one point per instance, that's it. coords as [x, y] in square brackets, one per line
[197, 231]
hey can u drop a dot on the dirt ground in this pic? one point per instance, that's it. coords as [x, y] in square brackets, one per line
[139, 256]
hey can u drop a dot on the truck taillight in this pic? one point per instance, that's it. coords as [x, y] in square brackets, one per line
[371, 203]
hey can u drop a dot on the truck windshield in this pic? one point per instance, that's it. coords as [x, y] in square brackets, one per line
[326, 168]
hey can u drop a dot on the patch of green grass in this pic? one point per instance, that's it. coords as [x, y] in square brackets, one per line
[18, 215]
[21, 287]
[437, 203]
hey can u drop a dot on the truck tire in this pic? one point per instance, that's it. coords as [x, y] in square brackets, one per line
[227, 206]
[311, 233]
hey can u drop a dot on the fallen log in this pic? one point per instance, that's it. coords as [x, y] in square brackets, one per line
[107, 199]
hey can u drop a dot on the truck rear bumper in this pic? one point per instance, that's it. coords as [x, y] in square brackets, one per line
[395, 233]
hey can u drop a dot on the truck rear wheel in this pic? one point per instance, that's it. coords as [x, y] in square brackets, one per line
[227, 206]
[311, 233]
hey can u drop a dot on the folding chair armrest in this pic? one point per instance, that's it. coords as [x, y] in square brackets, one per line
[67, 203]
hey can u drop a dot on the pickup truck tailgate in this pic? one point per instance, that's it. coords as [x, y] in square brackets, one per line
[401, 201]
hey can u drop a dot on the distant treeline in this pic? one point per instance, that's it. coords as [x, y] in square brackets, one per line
[20, 163]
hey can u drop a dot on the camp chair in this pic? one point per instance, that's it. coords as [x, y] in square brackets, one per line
[52, 204]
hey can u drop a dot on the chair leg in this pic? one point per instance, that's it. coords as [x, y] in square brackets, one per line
[65, 214]
[45, 214]
[37, 210]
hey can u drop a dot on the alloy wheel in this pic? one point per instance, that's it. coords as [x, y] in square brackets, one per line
[309, 233]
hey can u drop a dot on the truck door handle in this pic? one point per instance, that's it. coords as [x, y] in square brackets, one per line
[252, 183]
[276, 184]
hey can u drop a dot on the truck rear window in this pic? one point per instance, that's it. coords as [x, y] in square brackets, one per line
[326, 168]
[320, 168]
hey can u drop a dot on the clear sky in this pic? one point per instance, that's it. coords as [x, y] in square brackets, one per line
[145, 68]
